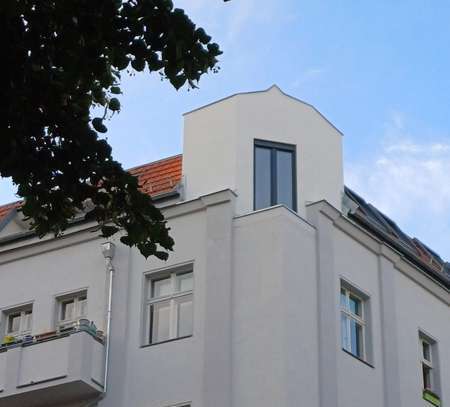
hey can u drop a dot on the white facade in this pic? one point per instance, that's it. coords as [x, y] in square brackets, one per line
[266, 312]
[218, 147]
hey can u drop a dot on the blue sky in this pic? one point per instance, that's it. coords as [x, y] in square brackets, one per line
[380, 71]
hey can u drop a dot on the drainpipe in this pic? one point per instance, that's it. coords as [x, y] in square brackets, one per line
[108, 249]
[108, 254]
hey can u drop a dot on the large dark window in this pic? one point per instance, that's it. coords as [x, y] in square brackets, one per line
[274, 178]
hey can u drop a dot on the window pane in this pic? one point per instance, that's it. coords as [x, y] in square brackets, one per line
[160, 288]
[14, 323]
[285, 193]
[343, 299]
[356, 338]
[262, 178]
[67, 310]
[27, 321]
[160, 321]
[426, 351]
[184, 310]
[184, 282]
[426, 371]
[355, 305]
[82, 305]
[344, 333]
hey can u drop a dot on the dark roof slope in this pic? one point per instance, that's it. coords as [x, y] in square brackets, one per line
[387, 230]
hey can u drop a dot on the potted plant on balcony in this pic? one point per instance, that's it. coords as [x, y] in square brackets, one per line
[8, 340]
[431, 397]
[46, 335]
[83, 324]
[28, 339]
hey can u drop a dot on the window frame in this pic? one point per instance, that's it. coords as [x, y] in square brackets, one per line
[351, 316]
[66, 298]
[22, 311]
[274, 147]
[173, 298]
[432, 364]
[427, 363]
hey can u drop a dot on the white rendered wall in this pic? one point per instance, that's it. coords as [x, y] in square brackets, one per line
[274, 311]
[360, 384]
[40, 278]
[402, 301]
[417, 309]
[195, 369]
[219, 138]
[257, 281]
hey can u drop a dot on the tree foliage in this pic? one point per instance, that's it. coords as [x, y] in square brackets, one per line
[61, 58]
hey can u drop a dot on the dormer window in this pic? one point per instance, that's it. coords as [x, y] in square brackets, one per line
[274, 175]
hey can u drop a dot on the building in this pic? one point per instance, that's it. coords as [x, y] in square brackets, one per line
[285, 287]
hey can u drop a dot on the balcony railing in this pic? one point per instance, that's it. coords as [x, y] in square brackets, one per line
[52, 369]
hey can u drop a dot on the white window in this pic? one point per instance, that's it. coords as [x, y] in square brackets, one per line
[71, 308]
[169, 307]
[429, 365]
[19, 321]
[353, 323]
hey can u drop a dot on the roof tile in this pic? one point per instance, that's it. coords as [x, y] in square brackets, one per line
[155, 178]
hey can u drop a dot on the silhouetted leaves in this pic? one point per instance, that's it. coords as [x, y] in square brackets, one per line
[114, 104]
[60, 59]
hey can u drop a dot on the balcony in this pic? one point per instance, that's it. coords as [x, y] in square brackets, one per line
[53, 370]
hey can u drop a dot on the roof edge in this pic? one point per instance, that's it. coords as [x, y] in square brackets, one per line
[155, 162]
[274, 86]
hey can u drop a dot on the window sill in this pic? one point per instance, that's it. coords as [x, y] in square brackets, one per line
[166, 341]
[358, 358]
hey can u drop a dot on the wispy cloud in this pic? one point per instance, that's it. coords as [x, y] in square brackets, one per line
[409, 181]
[414, 148]
[307, 76]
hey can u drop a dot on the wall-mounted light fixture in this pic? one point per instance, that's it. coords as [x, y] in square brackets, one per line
[108, 249]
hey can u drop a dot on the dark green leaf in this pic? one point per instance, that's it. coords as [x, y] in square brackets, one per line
[98, 125]
[114, 104]
[109, 230]
[138, 64]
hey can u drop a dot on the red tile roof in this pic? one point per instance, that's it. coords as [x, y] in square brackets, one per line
[6, 209]
[155, 178]
[159, 177]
